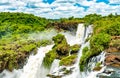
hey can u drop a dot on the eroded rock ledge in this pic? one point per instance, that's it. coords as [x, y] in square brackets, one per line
[112, 59]
[113, 52]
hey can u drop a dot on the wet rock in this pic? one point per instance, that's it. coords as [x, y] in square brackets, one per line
[110, 72]
[64, 25]
[61, 46]
[113, 52]
[114, 45]
[60, 50]
[112, 60]
[66, 71]
[97, 68]
[53, 76]
[112, 49]
[115, 37]
[63, 71]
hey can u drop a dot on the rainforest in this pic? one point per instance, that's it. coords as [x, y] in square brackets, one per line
[36, 47]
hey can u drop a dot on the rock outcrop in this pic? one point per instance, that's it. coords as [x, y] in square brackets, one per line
[113, 53]
[61, 50]
[112, 59]
[64, 25]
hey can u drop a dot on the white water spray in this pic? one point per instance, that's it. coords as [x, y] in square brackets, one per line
[93, 74]
[34, 68]
[75, 39]
[78, 39]
[31, 69]
[14, 74]
[54, 65]
[81, 35]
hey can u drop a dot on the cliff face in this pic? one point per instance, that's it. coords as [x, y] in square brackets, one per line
[113, 52]
[112, 59]
[64, 25]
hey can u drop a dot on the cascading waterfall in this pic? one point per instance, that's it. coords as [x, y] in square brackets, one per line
[75, 39]
[54, 65]
[32, 68]
[79, 39]
[85, 34]
[14, 74]
[35, 69]
[93, 74]
[81, 34]
[91, 64]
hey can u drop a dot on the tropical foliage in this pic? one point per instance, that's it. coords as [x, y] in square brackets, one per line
[104, 28]
[15, 44]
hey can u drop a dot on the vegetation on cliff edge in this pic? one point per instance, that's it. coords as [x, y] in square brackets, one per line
[103, 29]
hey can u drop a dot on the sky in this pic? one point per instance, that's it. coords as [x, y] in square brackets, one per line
[55, 9]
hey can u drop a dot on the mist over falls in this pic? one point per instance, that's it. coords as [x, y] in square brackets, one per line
[36, 47]
[34, 67]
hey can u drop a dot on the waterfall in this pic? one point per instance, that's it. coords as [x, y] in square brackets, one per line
[81, 34]
[14, 74]
[75, 39]
[54, 65]
[33, 67]
[93, 74]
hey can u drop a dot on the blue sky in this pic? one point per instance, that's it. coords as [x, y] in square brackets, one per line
[55, 9]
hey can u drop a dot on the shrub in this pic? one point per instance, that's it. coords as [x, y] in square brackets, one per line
[61, 46]
[99, 42]
[85, 49]
[59, 50]
[27, 48]
[113, 29]
[59, 38]
[67, 61]
[62, 49]
[84, 59]
[75, 48]
[8, 60]
[49, 58]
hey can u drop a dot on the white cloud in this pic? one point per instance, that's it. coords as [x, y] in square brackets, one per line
[59, 8]
[105, 9]
[114, 1]
[43, 5]
[87, 3]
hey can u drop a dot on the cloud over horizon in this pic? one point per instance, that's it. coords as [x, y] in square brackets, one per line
[55, 9]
